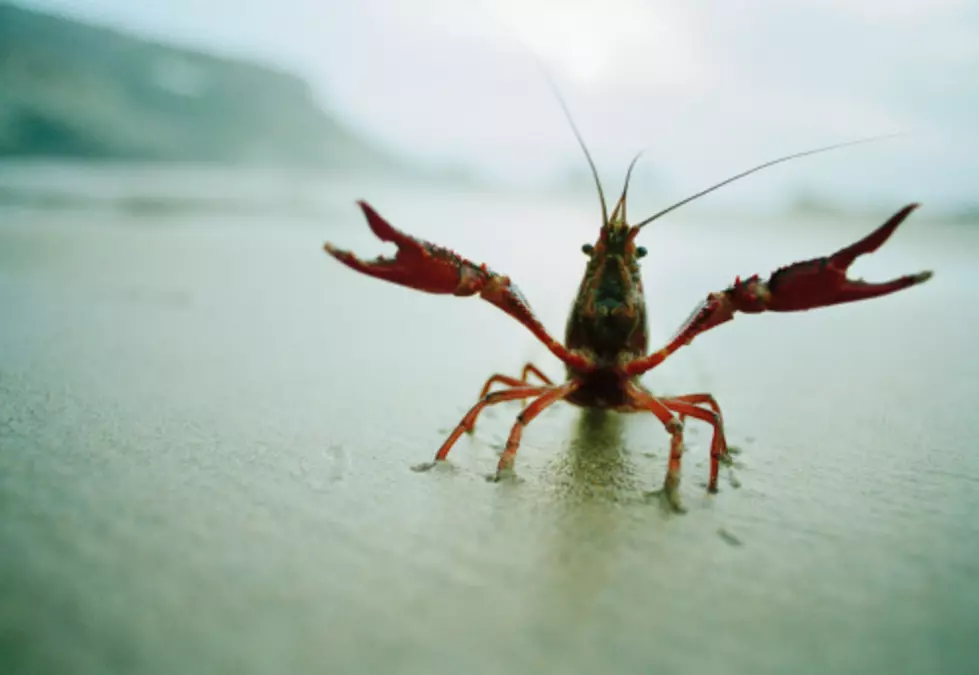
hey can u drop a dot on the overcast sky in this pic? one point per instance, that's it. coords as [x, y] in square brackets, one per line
[706, 87]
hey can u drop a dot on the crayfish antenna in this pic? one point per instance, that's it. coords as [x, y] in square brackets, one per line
[618, 213]
[581, 142]
[773, 162]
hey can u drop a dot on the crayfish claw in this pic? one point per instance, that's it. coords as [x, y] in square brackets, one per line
[434, 269]
[417, 264]
[873, 241]
[381, 228]
[862, 290]
[822, 282]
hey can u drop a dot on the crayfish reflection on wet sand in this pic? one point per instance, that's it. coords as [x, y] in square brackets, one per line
[605, 348]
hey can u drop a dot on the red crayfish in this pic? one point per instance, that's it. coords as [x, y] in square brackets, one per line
[605, 349]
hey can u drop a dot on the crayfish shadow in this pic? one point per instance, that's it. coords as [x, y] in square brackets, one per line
[596, 465]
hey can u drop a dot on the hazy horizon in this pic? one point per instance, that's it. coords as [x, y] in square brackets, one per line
[705, 91]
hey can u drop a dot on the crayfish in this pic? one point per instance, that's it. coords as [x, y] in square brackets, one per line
[606, 348]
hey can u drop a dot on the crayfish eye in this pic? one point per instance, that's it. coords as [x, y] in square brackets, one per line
[641, 251]
[587, 249]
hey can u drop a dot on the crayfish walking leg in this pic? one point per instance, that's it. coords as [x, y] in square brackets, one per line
[552, 396]
[706, 399]
[718, 444]
[510, 382]
[514, 382]
[643, 400]
[470, 418]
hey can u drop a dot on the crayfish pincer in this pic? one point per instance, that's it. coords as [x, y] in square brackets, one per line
[606, 346]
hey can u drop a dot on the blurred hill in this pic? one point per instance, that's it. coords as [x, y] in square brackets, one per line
[73, 90]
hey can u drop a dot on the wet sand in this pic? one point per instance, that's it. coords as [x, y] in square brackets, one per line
[206, 429]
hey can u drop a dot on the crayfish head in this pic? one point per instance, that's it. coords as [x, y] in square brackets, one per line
[608, 316]
[616, 238]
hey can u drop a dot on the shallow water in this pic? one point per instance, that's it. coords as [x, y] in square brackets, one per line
[206, 429]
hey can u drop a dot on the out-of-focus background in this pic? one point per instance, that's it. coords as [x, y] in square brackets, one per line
[206, 424]
[453, 92]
